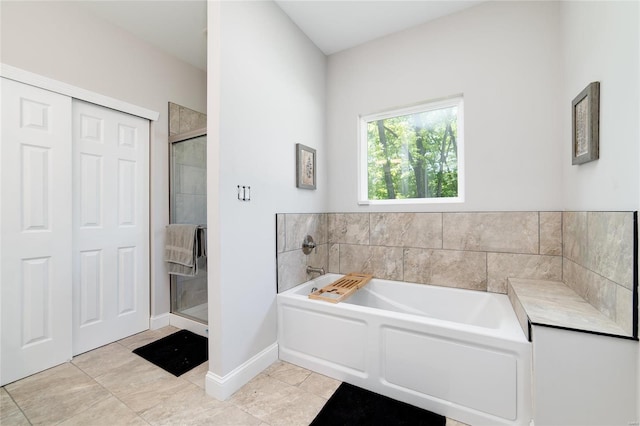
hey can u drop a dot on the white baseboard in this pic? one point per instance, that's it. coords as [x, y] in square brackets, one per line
[187, 324]
[159, 321]
[222, 388]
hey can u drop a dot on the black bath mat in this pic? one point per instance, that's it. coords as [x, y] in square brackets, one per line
[351, 405]
[176, 353]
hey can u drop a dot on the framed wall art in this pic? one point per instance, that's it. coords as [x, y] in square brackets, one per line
[585, 116]
[305, 167]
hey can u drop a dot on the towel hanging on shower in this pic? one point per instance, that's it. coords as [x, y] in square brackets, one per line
[181, 249]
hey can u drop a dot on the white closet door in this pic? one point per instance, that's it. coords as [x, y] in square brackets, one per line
[35, 248]
[110, 226]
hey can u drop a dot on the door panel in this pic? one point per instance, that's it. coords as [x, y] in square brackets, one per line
[35, 267]
[111, 226]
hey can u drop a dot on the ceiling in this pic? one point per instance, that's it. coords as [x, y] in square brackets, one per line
[338, 25]
[179, 26]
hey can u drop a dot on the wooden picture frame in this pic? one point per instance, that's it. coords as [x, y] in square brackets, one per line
[585, 125]
[305, 167]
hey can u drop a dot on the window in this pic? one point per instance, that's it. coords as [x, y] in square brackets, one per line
[412, 155]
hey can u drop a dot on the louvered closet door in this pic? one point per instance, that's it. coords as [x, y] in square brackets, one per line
[110, 226]
[35, 217]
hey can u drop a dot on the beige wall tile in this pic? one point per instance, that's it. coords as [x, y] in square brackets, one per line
[174, 119]
[318, 258]
[348, 228]
[382, 262]
[521, 314]
[595, 289]
[280, 233]
[574, 234]
[334, 258]
[551, 233]
[501, 266]
[406, 229]
[601, 293]
[575, 277]
[291, 269]
[191, 120]
[462, 269]
[504, 232]
[297, 226]
[624, 309]
[610, 246]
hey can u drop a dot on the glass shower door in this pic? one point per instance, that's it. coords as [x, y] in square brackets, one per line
[188, 204]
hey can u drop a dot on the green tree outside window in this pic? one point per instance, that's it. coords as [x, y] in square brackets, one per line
[413, 155]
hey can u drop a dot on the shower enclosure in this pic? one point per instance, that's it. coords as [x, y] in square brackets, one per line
[188, 204]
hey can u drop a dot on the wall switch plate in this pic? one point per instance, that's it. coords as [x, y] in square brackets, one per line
[244, 193]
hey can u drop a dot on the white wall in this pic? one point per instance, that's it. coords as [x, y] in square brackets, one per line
[504, 58]
[600, 43]
[61, 40]
[266, 93]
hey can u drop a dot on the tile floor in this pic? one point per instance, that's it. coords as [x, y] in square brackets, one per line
[112, 386]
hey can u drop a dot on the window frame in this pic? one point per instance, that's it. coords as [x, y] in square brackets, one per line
[363, 178]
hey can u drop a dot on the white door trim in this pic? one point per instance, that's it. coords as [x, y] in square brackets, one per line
[12, 73]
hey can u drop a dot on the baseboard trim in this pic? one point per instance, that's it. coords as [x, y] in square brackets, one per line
[222, 388]
[187, 324]
[159, 321]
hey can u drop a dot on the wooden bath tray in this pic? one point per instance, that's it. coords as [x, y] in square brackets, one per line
[339, 290]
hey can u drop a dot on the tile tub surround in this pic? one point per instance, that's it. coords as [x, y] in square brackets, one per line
[599, 262]
[477, 251]
[592, 252]
[554, 304]
[291, 228]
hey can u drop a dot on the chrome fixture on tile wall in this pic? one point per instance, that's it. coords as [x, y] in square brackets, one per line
[308, 245]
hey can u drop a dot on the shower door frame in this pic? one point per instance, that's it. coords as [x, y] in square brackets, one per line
[179, 319]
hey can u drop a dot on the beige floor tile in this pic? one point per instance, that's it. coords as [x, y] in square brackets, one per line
[10, 414]
[109, 412]
[451, 422]
[263, 396]
[320, 385]
[141, 339]
[299, 410]
[197, 375]
[288, 373]
[232, 416]
[140, 384]
[103, 360]
[190, 405]
[56, 394]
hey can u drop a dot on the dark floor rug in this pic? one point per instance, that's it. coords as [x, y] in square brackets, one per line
[177, 353]
[351, 405]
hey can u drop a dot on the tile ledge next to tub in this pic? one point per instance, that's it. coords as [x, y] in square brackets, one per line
[554, 304]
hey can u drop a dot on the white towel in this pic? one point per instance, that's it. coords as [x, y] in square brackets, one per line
[181, 249]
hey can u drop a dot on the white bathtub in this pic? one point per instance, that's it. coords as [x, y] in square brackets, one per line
[459, 353]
